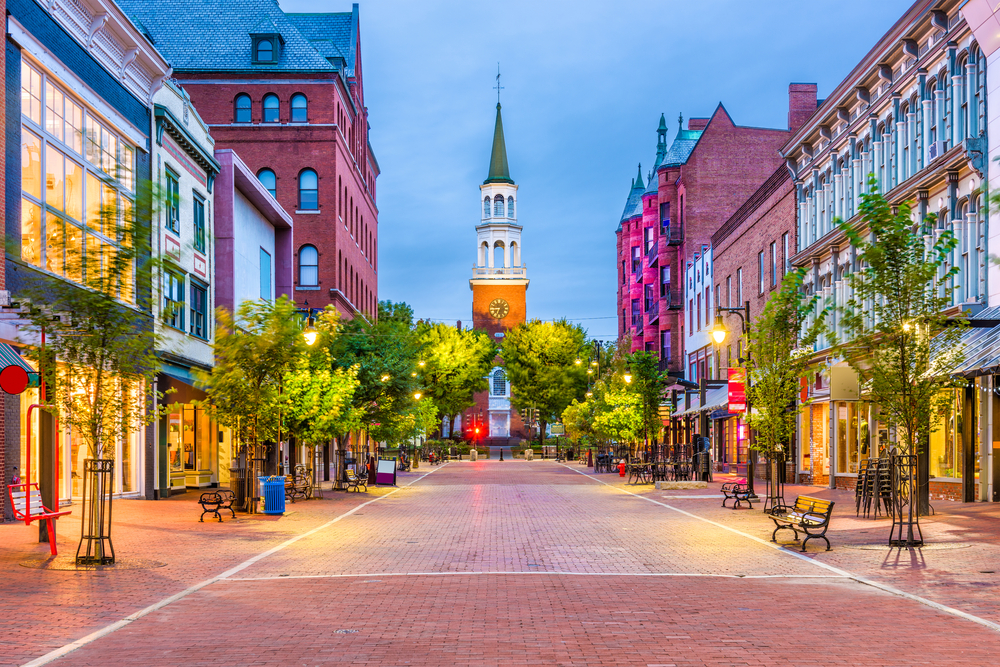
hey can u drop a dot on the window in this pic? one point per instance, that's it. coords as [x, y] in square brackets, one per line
[636, 259]
[199, 311]
[486, 207]
[510, 207]
[499, 383]
[243, 109]
[636, 313]
[265, 51]
[269, 181]
[173, 203]
[785, 259]
[649, 238]
[31, 94]
[624, 272]
[665, 344]
[308, 266]
[729, 291]
[650, 301]
[300, 108]
[265, 275]
[63, 118]
[308, 190]
[498, 206]
[173, 299]
[199, 223]
[665, 214]
[271, 109]
[690, 316]
[774, 265]
[760, 271]
[708, 307]
[665, 281]
[739, 287]
[697, 318]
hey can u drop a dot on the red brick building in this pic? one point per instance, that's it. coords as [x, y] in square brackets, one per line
[285, 91]
[709, 171]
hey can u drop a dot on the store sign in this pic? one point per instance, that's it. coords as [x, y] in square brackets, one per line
[737, 390]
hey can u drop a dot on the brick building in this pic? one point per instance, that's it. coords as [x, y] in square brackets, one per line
[709, 171]
[285, 91]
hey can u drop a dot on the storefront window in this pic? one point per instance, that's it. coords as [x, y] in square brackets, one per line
[853, 436]
[191, 445]
[946, 450]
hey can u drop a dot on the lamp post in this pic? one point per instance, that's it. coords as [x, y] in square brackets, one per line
[719, 333]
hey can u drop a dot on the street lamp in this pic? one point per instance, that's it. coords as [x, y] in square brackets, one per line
[628, 378]
[309, 333]
[719, 333]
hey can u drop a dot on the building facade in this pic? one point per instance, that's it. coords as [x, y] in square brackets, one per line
[913, 114]
[286, 92]
[708, 172]
[80, 83]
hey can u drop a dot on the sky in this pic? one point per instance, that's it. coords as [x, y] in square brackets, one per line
[584, 84]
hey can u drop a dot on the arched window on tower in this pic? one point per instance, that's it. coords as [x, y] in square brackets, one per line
[498, 206]
[484, 252]
[510, 207]
[498, 255]
[308, 190]
[515, 255]
[270, 183]
[272, 109]
[308, 266]
[486, 207]
[499, 383]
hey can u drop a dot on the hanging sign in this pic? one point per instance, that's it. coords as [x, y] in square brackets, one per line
[737, 390]
[803, 390]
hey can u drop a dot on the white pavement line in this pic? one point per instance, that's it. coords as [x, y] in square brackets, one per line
[836, 570]
[117, 625]
[501, 573]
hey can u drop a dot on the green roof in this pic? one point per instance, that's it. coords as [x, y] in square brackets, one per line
[499, 171]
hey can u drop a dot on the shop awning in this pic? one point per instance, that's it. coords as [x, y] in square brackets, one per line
[16, 374]
[717, 397]
[980, 345]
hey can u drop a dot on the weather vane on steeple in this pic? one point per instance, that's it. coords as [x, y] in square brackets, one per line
[498, 87]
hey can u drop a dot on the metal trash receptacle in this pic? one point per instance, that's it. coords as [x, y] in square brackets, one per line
[272, 490]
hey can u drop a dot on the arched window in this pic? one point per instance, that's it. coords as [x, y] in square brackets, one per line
[300, 108]
[243, 108]
[515, 255]
[265, 51]
[484, 253]
[498, 206]
[268, 180]
[486, 207]
[499, 383]
[308, 190]
[510, 207]
[308, 266]
[498, 255]
[271, 109]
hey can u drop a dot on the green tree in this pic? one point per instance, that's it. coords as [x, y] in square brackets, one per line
[618, 416]
[97, 325]
[455, 366]
[897, 306]
[540, 361]
[648, 383]
[777, 359]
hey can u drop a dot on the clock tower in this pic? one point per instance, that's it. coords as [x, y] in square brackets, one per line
[499, 278]
[499, 285]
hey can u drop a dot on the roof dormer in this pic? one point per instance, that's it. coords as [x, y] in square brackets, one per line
[265, 43]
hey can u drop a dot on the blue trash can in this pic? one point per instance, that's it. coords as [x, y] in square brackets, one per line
[272, 490]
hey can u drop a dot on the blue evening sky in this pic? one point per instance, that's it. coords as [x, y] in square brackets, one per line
[584, 86]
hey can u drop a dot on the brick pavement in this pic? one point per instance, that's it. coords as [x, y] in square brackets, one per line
[501, 563]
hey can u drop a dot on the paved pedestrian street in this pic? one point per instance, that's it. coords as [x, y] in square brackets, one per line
[505, 563]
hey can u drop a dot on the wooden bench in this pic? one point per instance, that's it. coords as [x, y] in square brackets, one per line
[354, 481]
[738, 491]
[26, 501]
[299, 484]
[810, 515]
[213, 501]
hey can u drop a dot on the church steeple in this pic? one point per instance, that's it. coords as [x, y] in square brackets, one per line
[661, 142]
[499, 172]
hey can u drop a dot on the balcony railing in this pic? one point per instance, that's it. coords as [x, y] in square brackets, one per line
[674, 233]
[672, 299]
[499, 273]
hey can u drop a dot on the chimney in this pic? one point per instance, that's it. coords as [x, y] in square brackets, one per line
[460, 325]
[801, 104]
[698, 123]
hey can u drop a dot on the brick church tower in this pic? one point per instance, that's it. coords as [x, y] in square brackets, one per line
[499, 283]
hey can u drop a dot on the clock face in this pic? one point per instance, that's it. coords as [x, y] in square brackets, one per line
[499, 308]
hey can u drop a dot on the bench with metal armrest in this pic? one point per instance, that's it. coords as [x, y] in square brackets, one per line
[738, 491]
[26, 501]
[213, 501]
[810, 515]
[355, 481]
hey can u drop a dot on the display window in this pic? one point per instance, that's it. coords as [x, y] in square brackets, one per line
[192, 446]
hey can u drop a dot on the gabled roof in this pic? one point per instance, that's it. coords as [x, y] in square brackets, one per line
[214, 35]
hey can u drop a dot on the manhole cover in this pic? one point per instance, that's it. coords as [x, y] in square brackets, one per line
[344, 632]
[934, 546]
[68, 563]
